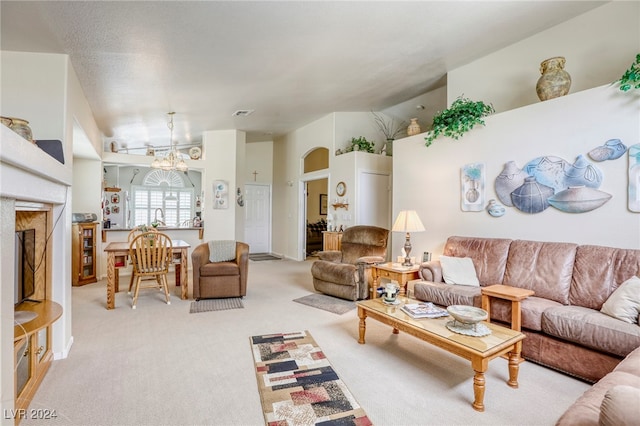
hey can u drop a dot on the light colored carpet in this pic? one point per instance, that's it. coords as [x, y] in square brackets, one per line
[208, 305]
[159, 365]
[297, 384]
[327, 303]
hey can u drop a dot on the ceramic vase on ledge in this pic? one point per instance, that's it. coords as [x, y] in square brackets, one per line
[555, 81]
[414, 127]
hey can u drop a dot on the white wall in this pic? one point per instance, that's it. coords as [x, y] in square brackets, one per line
[428, 179]
[219, 157]
[598, 45]
[259, 158]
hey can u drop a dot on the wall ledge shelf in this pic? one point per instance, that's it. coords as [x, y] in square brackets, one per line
[337, 206]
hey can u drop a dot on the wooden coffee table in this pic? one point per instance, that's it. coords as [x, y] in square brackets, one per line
[478, 350]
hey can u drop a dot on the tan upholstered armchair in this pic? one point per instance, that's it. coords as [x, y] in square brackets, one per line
[226, 278]
[347, 273]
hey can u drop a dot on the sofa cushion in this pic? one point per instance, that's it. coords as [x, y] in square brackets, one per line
[446, 294]
[215, 269]
[598, 271]
[541, 266]
[459, 270]
[624, 302]
[620, 406]
[222, 250]
[489, 255]
[586, 409]
[591, 328]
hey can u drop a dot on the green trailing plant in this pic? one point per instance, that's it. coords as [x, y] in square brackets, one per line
[458, 119]
[363, 144]
[631, 77]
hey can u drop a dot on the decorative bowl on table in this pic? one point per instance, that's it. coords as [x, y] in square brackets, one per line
[466, 320]
[467, 314]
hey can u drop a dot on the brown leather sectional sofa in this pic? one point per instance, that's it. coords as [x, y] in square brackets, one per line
[564, 327]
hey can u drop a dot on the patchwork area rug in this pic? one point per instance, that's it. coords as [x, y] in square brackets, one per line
[327, 303]
[263, 256]
[207, 305]
[297, 384]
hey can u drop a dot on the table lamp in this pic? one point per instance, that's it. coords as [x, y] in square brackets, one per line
[407, 221]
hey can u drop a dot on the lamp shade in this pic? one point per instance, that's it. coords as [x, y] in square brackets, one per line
[407, 221]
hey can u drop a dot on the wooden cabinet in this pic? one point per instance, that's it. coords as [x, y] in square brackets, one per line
[331, 240]
[83, 263]
[32, 350]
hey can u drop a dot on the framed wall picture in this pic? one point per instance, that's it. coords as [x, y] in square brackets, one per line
[323, 204]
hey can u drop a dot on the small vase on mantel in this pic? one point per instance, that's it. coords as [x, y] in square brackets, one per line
[414, 127]
[389, 147]
[554, 81]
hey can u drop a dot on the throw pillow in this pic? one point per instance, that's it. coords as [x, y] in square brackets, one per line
[459, 270]
[222, 250]
[620, 406]
[624, 302]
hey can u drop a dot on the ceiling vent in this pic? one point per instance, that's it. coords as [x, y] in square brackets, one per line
[242, 113]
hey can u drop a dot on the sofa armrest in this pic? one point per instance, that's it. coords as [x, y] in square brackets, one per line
[330, 256]
[199, 257]
[370, 260]
[431, 271]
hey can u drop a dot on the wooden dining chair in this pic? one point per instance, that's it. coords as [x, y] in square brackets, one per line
[151, 254]
[132, 234]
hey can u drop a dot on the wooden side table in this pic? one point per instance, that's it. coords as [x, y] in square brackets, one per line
[331, 240]
[393, 271]
[506, 292]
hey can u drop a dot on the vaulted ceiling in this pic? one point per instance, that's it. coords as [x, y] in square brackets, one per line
[290, 62]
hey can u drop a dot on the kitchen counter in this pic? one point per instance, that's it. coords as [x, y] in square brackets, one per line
[160, 228]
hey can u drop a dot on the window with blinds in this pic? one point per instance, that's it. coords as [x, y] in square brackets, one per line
[159, 199]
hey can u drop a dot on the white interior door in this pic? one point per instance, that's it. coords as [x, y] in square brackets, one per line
[374, 199]
[257, 223]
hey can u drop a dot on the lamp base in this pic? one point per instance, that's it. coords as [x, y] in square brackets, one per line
[407, 250]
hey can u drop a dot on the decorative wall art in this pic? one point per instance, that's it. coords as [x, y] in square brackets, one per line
[611, 150]
[507, 181]
[323, 204]
[578, 199]
[220, 194]
[552, 181]
[472, 187]
[495, 209]
[559, 174]
[634, 178]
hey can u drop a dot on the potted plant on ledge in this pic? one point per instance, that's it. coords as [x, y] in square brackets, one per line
[361, 144]
[458, 119]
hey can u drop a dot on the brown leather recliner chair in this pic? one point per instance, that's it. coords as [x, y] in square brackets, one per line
[220, 279]
[347, 273]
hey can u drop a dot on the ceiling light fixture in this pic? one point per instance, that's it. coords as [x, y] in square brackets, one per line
[173, 160]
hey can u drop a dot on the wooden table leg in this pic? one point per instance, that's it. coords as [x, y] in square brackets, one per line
[486, 305]
[514, 366]
[478, 391]
[111, 271]
[362, 328]
[374, 287]
[479, 366]
[184, 273]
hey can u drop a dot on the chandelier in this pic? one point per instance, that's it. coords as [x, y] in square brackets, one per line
[173, 160]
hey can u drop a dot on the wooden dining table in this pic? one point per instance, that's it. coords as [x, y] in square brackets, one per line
[118, 257]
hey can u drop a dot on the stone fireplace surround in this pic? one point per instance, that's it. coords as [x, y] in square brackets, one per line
[38, 187]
